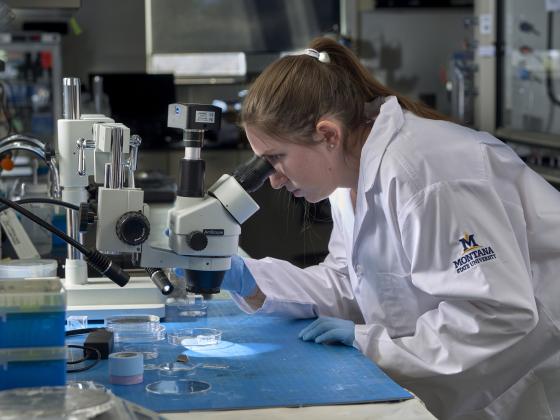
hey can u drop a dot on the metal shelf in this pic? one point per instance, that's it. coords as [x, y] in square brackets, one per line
[550, 141]
[552, 175]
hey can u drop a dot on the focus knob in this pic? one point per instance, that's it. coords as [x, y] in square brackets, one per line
[197, 240]
[85, 217]
[133, 228]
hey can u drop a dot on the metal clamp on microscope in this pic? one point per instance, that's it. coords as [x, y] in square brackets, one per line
[96, 145]
[72, 126]
[122, 224]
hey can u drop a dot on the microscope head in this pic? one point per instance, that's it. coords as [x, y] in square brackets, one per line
[205, 225]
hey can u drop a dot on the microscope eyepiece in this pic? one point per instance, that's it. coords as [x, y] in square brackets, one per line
[252, 174]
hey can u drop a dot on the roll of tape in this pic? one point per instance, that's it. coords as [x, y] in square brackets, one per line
[126, 368]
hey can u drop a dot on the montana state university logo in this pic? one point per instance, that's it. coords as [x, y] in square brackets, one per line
[472, 253]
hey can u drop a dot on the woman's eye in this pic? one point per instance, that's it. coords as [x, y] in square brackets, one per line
[274, 158]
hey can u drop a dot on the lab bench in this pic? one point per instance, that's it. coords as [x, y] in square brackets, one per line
[261, 368]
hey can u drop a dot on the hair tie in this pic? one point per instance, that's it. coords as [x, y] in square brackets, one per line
[322, 56]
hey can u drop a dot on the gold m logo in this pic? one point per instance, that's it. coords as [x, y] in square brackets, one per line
[468, 243]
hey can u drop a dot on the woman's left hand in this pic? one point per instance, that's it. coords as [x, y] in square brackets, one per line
[329, 330]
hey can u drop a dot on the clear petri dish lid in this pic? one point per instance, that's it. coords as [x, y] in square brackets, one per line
[87, 385]
[178, 387]
[132, 322]
[194, 310]
[193, 306]
[220, 367]
[54, 403]
[176, 369]
[149, 350]
[139, 336]
[190, 337]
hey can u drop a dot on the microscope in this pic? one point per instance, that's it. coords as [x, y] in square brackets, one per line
[203, 225]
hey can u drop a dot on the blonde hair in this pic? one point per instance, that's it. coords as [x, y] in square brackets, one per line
[291, 95]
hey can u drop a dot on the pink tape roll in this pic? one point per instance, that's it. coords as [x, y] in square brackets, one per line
[126, 380]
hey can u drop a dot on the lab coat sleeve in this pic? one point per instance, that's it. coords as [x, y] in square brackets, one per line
[323, 289]
[483, 310]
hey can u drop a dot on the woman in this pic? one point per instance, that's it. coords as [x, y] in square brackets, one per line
[444, 257]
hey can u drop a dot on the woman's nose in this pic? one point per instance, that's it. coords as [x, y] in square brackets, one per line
[277, 180]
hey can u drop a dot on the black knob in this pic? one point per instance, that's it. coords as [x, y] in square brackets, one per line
[84, 217]
[133, 228]
[197, 240]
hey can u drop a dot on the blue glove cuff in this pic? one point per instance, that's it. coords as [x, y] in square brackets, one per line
[239, 279]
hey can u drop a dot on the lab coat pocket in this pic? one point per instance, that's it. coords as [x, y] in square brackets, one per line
[398, 303]
[526, 399]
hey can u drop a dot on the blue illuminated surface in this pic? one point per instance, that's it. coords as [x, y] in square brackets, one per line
[229, 349]
[260, 362]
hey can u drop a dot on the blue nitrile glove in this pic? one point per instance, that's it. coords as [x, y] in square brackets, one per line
[329, 330]
[237, 279]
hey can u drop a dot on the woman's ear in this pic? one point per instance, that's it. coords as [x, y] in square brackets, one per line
[329, 131]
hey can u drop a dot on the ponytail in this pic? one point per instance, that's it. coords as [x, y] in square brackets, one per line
[292, 94]
[348, 64]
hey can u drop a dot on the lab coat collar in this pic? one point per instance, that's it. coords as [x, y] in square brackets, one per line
[387, 124]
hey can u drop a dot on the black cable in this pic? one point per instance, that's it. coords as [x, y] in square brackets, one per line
[78, 361]
[43, 201]
[90, 349]
[80, 331]
[93, 257]
[46, 225]
[549, 82]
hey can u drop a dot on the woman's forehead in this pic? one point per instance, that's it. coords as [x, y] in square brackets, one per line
[260, 141]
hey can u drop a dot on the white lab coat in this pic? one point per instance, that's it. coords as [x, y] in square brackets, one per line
[474, 334]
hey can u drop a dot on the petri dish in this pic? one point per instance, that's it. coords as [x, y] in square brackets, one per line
[178, 387]
[193, 310]
[215, 366]
[192, 306]
[132, 322]
[149, 350]
[86, 385]
[219, 366]
[190, 337]
[136, 328]
[176, 370]
[55, 403]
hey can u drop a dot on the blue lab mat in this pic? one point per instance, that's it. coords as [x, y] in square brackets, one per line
[260, 363]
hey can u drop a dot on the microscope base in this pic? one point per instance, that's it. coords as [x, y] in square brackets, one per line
[101, 298]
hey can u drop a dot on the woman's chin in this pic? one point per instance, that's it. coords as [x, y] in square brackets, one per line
[312, 199]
